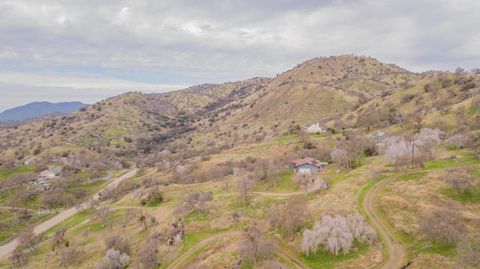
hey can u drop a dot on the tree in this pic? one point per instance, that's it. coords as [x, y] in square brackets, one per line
[103, 214]
[28, 240]
[70, 255]
[401, 151]
[341, 157]
[194, 201]
[290, 217]
[18, 257]
[244, 185]
[59, 238]
[119, 243]
[336, 234]
[441, 225]
[147, 220]
[255, 246]
[460, 182]
[147, 255]
[113, 259]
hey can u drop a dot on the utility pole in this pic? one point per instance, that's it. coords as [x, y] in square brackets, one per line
[413, 152]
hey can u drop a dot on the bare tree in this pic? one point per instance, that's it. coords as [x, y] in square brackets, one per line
[18, 258]
[119, 243]
[103, 214]
[255, 246]
[59, 238]
[28, 239]
[442, 225]
[416, 151]
[70, 255]
[195, 201]
[341, 157]
[461, 182]
[147, 255]
[244, 185]
[147, 220]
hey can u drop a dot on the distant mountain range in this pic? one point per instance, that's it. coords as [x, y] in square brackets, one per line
[38, 110]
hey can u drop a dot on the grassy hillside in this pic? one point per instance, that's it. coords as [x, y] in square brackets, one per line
[214, 169]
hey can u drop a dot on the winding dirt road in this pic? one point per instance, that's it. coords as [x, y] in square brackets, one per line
[395, 251]
[63, 215]
[184, 258]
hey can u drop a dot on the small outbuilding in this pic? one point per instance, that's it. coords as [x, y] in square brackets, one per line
[308, 166]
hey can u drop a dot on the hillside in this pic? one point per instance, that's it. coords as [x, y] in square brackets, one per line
[38, 110]
[203, 178]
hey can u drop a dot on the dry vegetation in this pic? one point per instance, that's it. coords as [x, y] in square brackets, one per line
[215, 189]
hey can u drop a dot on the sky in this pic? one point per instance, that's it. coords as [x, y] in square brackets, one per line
[70, 50]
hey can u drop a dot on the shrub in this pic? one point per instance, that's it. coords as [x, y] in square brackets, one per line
[154, 197]
[407, 98]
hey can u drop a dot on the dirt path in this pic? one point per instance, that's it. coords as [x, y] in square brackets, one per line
[395, 251]
[63, 215]
[183, 259]
[279, 194]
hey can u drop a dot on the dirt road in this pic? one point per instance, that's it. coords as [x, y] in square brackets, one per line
[63, 215]
[395, 251]
[183, 259]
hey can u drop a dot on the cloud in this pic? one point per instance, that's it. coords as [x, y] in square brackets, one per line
[187, 41]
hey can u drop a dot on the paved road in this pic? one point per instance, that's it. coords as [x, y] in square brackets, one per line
[44, 226]
[395, 251]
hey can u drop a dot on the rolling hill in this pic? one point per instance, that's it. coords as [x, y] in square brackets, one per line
[38, 110]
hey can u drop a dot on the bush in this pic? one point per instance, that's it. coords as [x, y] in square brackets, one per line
[154, 197]
[407, 98]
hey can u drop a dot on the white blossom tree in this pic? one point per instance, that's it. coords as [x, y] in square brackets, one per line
[337, 234]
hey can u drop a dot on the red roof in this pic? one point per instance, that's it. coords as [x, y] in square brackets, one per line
[311, 161]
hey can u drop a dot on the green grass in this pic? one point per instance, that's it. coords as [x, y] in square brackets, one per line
[415, 175]
[284, 183]
[423, 246]
[19, 169]
[465, 197]
[13, 228]
[195, 216]
[444, 249]
[324, 260]
[70, 222]
[468, 158]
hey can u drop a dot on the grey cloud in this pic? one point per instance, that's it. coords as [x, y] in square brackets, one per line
[214, 41]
